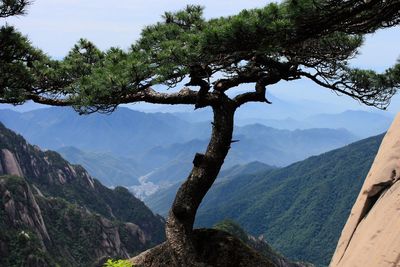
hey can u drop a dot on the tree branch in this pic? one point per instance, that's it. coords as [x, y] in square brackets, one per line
[280, 71]
[223, 85]
[257, 96]
[367, 87]
[184, 96]
[49, 101]
[149, 95]
[13, 7]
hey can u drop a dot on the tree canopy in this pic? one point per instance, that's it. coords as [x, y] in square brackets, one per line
[312, 39]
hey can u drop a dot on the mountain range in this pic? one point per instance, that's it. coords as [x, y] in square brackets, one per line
[143, 150]
[360, 123]
[289, 115]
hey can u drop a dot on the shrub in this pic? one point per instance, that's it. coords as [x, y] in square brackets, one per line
[118, 263]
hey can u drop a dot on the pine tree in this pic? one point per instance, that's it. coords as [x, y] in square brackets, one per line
[292, 40]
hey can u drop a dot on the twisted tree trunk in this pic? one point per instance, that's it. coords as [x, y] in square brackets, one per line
[179, 228]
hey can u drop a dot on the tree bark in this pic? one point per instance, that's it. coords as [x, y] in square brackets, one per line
[179, 227]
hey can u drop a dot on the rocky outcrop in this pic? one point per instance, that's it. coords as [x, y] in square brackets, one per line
[9, 164]
[53, 213]
[371, 236]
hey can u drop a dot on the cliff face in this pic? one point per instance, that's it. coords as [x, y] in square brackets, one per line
[52, 212]
[371, 236]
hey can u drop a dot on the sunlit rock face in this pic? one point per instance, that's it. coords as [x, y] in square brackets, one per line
[371, 236]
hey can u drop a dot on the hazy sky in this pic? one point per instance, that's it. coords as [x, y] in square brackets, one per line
[56, 25]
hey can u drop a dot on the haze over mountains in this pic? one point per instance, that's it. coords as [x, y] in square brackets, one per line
[290, 114]
[149, 151]
[360, 123]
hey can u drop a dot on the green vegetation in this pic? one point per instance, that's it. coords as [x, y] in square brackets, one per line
[117, 263]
